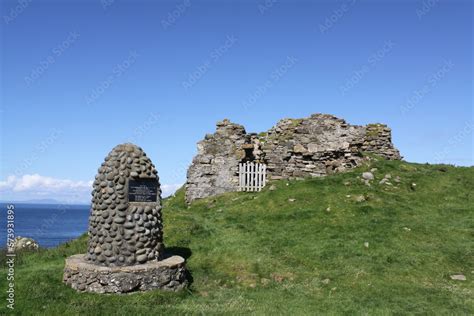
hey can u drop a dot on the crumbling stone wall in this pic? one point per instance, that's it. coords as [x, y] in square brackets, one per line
[294, 148]
[214, 167]
[378, 139]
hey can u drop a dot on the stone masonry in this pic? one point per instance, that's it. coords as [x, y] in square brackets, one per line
[168, 274]
[123, 233]
[295, 148]
[125, 247]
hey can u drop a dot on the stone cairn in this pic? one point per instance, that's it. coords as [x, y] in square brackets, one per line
[294, 148]
[125, 247]
[119, 233]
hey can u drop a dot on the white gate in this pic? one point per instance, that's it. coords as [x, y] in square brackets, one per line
[252, 176]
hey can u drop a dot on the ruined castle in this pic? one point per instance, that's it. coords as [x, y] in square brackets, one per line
[295, 148]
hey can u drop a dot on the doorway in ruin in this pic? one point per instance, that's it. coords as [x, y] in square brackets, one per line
[252, 173]
[249, 156]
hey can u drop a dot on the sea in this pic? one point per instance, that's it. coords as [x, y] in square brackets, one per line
[48, 224]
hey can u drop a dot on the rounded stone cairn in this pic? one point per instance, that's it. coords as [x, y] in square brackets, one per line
[125, 247]
[122, 233]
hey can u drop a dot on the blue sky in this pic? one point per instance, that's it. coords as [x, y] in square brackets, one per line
[79, 77]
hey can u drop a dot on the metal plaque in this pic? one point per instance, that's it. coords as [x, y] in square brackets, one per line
[142, 190]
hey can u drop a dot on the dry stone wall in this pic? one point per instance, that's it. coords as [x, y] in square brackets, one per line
[293, 148]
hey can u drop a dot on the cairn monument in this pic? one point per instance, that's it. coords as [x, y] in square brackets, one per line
[125, 247]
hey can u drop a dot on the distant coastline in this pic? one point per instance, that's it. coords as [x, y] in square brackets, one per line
[48, 224]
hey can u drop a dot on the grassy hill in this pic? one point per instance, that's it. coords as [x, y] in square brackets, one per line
[320, 246]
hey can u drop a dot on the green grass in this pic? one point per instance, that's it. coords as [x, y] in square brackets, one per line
[259, 253]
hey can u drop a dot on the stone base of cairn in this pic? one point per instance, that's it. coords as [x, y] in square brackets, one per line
[168, 274]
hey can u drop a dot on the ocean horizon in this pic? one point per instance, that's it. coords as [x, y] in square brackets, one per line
[48, 224]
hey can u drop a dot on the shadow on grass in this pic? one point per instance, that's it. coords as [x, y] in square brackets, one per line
[178, 251]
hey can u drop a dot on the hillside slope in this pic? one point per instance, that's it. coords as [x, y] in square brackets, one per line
[320, 246]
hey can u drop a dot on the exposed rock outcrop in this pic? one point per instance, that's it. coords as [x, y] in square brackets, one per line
[25, 243]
